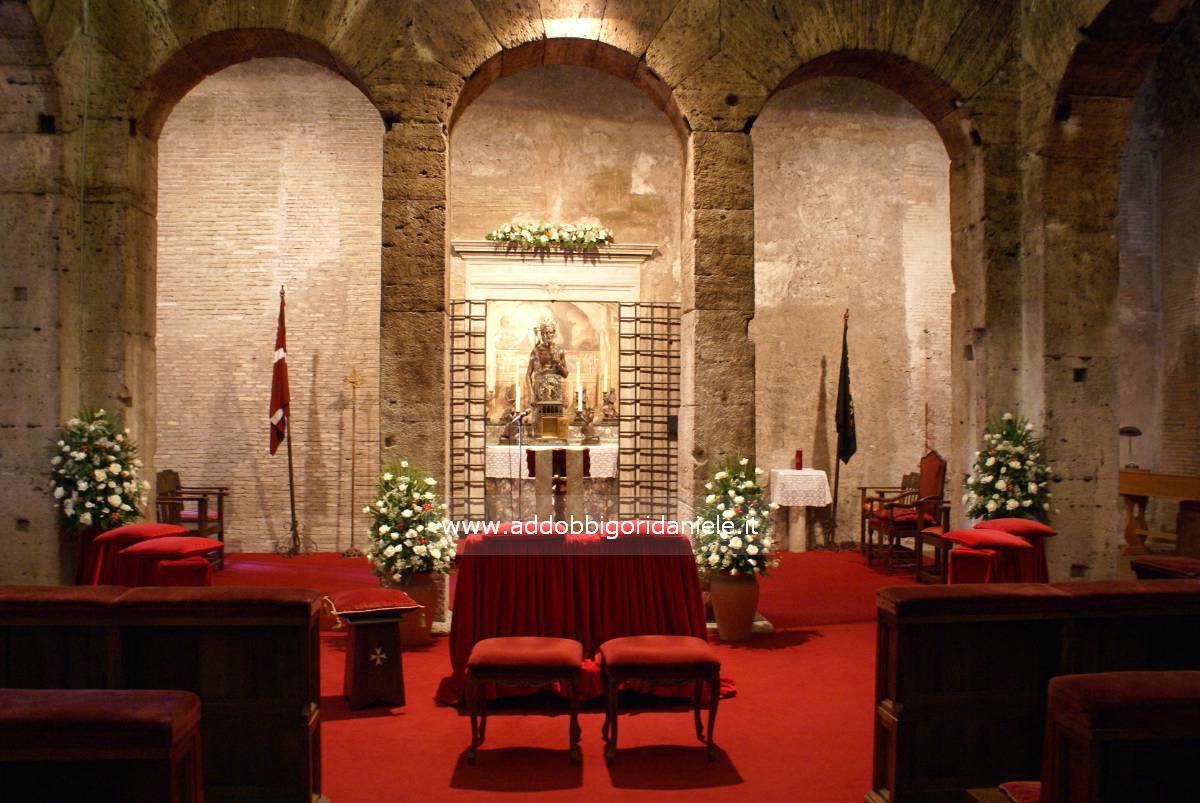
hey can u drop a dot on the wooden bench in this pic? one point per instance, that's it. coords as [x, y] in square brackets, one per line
[962, 672]
[100, 745]
[250, 654]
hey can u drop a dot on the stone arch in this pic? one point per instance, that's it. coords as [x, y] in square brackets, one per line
[211, 53]
[949, 113]
[576, 52]
[1073, 252]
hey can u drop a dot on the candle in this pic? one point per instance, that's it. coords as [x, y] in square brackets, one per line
[579, 385]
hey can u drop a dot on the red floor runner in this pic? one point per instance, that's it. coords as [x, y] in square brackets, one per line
[799, 728]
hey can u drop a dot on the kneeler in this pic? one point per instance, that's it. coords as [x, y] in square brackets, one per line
[374, 673]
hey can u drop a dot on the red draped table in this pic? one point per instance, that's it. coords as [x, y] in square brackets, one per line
[587, 588]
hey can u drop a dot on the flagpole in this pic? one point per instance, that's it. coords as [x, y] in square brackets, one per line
[295, 547]
[831, 539]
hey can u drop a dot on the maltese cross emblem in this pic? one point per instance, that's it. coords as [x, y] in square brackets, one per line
[378, 657]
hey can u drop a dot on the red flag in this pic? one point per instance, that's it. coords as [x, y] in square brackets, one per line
[281, 397]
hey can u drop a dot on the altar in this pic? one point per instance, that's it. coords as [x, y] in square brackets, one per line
[564, 387]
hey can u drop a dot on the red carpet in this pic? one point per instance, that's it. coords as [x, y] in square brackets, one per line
[799, 729]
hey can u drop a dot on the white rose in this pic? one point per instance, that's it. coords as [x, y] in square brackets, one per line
[744, 461]
[1007, 416]
[430, 481]
[1027, 503]
[710, 499]
[387, 477]
[758, 470]
[114, 468]
[383, 528]
[114, 500]
[752, 550]
[708, 485]
[1033, 487]
[81, 485]
[1012, 504]
[403, 464]
[100, 475]
[420, 549]
[714, 559]
[1001, 485]
[59, 493]
[54, 461]
[991, 506]
[727, 513]
[991, 461]
[720, 506]
[435, 553]
[720, 475]
[739, 499]
[85, 518]
[406, 513]
[735, 543]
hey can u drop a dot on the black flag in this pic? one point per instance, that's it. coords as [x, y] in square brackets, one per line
[847, 443]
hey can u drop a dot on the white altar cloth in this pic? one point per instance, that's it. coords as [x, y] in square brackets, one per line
[806, 487]
[796, 492]
[508, 462]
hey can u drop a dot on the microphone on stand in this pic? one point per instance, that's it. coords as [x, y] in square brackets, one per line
[519, 417]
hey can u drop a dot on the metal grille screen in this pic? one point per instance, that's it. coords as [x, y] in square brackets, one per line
[468, 409]
[647, 468]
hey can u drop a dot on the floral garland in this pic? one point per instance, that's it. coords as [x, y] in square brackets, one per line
[95, 474]
[1010, 476]
[530, 236]
[740, 541]
[408, 527]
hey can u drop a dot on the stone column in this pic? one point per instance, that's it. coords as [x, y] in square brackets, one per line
[717, 411]
[412, 319]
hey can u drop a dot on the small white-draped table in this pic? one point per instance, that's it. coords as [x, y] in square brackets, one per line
[796, 491]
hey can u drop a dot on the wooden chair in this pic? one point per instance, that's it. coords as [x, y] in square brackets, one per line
[198, 508]
[906, 514]
[868, 496]
[938, 511]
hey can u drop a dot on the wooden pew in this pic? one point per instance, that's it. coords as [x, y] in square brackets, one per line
[250, 654]
[962, 672]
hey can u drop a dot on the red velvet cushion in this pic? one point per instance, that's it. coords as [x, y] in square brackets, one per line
[987, 539]
[65, 719]
[1023, 791]
[900, 515]
[188, 514]
[1166, 700]
[658, 652]
[221, 606]
[526, 652]
[172, 547]
[1002, 599]
[194, 571]
[1017, 526]
[1170, 565]
[373, 604]
[141, 531]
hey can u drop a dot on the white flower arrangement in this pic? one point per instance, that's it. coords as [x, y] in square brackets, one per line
[95, 474]
[740, 539]
[408, 526]
[1010, 478]
[544, 236]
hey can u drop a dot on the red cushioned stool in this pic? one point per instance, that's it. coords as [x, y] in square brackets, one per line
[184, 572]
[108, 546]
[532, 661]
[136, 567]
[969, 565]
[660, 661]
[99, 745]
[374, 673]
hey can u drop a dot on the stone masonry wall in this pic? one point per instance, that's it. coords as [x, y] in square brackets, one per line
[851, 211]
[269, 174]
[30, 201]
[569, 144]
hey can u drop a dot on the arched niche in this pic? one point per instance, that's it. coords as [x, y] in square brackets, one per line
[270, 175]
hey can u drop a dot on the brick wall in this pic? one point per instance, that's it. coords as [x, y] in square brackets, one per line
[30, 204]
[269, 175]
[851, 211]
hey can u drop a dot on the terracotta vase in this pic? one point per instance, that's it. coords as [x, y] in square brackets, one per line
[416, 629]
[734, 603]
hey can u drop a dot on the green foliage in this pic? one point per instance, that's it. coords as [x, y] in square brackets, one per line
[1010, 476]
[94, 474]
[739, 540]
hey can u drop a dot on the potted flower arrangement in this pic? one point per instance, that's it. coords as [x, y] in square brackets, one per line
[94, 478]
[1010, 477]
[737, 547]
[410, 543]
